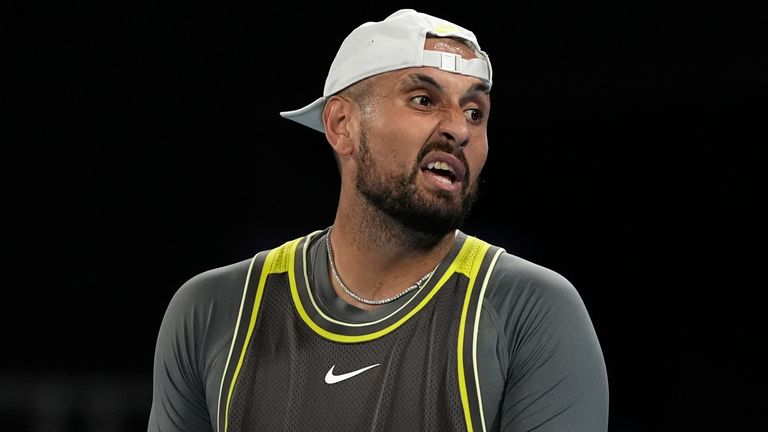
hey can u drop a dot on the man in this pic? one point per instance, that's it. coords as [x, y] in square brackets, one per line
[392, 318]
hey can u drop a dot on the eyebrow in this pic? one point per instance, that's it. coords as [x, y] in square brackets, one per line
[421, 79]
[481, 88]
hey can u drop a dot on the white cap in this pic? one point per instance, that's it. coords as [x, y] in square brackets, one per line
[395, 43]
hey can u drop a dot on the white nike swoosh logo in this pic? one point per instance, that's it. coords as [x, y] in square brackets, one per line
[330, 378]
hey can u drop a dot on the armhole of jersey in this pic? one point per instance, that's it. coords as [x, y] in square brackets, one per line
[276, 261]
[477, 265]
[232, 344]
[476, 330]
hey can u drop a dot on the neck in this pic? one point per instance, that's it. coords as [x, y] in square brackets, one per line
[377, 258]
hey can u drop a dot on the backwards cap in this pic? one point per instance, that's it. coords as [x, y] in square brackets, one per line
[395, 43]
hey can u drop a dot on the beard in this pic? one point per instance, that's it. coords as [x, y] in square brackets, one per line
[432, 215]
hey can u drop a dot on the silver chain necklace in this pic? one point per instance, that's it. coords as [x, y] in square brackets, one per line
[417, 284]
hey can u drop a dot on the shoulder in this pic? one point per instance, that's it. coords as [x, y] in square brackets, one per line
[524, 299]
[217, 285]
[207, 304]
[223, 285]
[516, 276]
[520, 291]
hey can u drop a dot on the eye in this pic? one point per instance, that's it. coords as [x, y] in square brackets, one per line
[422, 100]
[474, 114]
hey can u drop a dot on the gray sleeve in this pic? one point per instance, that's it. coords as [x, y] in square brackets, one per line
[555, 377]
[191, 349]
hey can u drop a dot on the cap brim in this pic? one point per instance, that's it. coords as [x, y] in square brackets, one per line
[310, 116]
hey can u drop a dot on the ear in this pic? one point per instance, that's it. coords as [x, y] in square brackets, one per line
[339, 120]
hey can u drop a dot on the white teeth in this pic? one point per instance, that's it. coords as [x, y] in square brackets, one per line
[442, 180]
[441, 166]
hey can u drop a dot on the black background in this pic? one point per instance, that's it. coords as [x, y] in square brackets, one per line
[145, 146]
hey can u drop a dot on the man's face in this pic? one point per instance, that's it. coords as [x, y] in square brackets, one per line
[422, 145]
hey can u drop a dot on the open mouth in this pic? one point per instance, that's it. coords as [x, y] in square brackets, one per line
[442, 171]
[444, 168]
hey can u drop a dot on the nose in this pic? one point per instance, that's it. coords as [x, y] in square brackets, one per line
[453, 126]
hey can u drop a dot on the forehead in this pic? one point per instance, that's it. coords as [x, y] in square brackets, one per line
[449, 45]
